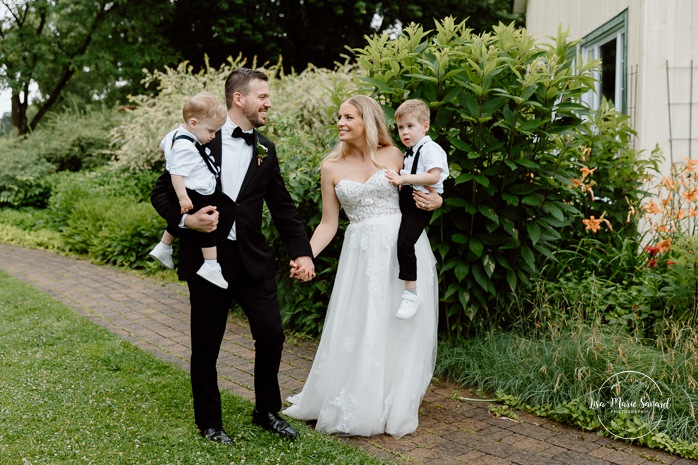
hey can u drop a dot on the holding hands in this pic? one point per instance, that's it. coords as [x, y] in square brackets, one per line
[302, 269]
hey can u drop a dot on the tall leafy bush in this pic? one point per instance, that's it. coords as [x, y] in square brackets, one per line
[507, 109]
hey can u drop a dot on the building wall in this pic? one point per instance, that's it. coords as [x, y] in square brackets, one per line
[662, 45]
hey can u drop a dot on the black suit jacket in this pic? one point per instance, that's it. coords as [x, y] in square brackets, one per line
[262, 183]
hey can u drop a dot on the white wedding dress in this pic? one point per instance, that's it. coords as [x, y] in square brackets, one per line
[371, 369]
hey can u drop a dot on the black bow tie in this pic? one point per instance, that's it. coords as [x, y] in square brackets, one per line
[248, 136]
[409, 152]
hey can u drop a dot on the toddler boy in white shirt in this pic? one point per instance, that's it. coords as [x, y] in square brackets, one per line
[194, 177]
[425, 165]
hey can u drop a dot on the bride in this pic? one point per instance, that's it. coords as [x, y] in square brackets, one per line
[371, 369]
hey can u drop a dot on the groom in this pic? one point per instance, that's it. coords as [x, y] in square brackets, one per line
[250, 176]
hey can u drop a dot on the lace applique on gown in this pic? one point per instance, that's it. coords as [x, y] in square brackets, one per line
[371, 370]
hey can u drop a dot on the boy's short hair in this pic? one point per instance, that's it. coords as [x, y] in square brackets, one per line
[205, 105]
[413, 107]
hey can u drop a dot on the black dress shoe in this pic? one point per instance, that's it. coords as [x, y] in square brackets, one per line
[274, 423]
[217, 435]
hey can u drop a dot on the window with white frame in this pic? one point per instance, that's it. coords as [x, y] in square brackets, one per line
[608, 44]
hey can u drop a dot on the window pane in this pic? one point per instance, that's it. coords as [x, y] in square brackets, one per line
[608, 70]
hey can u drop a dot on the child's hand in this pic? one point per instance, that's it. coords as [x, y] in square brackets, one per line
[185, 205]
[394, 178]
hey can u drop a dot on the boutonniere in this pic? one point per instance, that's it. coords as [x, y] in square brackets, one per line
[261, 153]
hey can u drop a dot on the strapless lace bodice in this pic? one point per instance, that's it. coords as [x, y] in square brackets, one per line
[375, 197]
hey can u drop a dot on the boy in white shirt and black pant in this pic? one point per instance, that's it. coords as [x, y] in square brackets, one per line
[425, 165]
[194, 176]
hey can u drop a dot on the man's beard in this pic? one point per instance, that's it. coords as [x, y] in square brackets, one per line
[253, 116]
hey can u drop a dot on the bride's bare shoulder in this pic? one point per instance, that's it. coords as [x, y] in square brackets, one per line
[390, 156]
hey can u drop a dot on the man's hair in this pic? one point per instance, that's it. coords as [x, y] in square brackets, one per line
[205, 105]
[239, 81]
[413, 107]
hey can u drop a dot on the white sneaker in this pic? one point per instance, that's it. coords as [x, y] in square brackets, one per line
[163, 255]
[408, 306]
[213, 274]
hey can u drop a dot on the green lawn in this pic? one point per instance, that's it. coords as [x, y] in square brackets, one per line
[73, 393]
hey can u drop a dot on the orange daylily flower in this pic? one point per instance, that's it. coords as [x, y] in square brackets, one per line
[652, 208]
[587, 172]
[664, 245]
[691, 195]
[668, 183]
[594, 224]
[691, 165]
[586, 152]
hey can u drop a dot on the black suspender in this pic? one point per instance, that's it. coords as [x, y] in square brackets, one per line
[416, 160]
[208, 159]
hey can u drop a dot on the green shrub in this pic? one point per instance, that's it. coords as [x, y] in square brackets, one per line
[40, 239]
[616, 183]
[302, 112]
[137, 139]
[114, 230]
[507, 110]
[69, 141]
[23, 175]
[28, 219]
[69, 188]
[76, 139]
[87, 217]
[126, 238]
[670, 282]
[587, 297]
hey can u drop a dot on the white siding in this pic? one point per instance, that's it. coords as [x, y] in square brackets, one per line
[660, 32]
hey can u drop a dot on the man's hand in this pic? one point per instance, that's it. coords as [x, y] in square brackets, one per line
[427, 202]
[204, 220]
[302, 269]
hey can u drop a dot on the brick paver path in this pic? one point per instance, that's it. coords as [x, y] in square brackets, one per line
[155, 317]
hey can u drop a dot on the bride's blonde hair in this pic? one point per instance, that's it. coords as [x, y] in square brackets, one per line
[377, 135]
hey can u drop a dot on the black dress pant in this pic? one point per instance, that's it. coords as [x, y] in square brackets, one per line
[200, 201]
[210, 305]
[412, 224]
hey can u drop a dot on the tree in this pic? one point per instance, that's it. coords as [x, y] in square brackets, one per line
[89, 49]
[312, 31]
[481, 15]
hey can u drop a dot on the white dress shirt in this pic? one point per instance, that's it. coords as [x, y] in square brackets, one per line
[186, 161]
[431, 156]
[236, 156]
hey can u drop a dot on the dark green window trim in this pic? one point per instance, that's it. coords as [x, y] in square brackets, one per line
[611, 29]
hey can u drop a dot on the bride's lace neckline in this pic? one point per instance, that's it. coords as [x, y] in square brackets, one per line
[359, 182]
